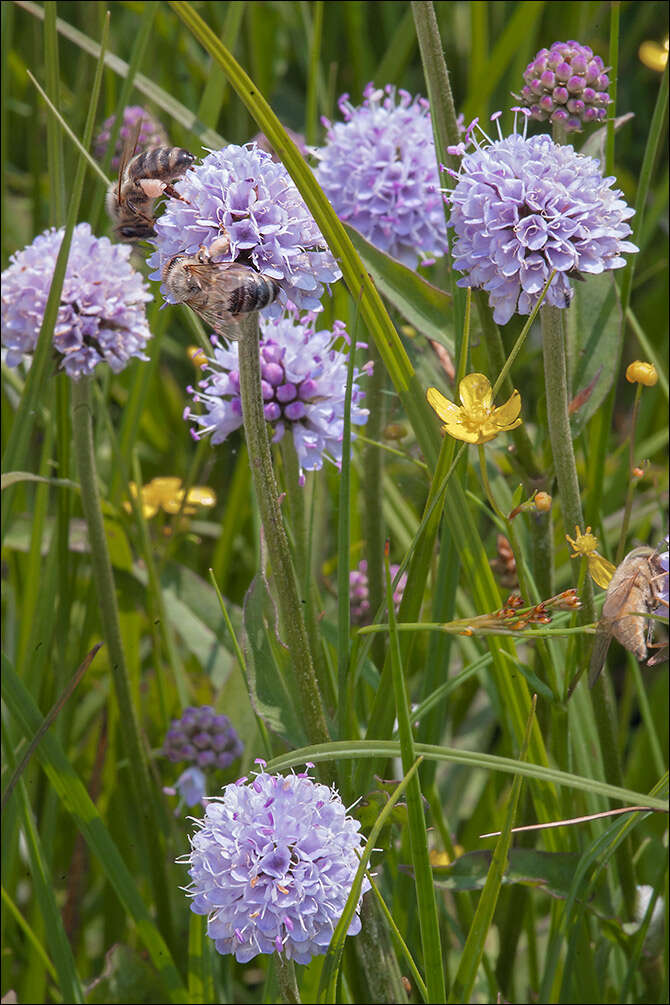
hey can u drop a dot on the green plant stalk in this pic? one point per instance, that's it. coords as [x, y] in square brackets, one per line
[630, 491]
[295, 493]
[288, 985]
[445, 126]
[560, 435]
[373, 473]
[146, 807]
[613, 62]
[418, 839]
[558, 420]
[267, 496]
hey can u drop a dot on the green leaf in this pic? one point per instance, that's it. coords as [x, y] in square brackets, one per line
[425, 306]
[594, 340]
[270, 682]
[552, 871]
[12, 477]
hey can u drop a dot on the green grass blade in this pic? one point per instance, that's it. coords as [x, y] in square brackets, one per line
[418, 838]
[474, 947]
[489, 762]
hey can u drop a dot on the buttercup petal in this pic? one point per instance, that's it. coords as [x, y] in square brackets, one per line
[600, 570]
[445, 409]
[507, 416]
[475, 391]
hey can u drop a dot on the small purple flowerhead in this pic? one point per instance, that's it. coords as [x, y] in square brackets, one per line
[203, 738]
[379, 171]
[272, 864]
[241, 194]
[359, 592]
[303, 381]
[566, 84]
[522, 207]
[151, 134]
[101, 317]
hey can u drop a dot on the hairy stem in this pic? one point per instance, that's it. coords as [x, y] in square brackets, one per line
[267, 497]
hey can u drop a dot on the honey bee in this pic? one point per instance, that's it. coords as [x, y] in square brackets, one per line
[218, 291]
[631, 595]
[142, 179]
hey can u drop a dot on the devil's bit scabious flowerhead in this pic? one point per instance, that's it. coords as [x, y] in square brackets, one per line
[584, 546]
[203, 738]
[151, 134]
[303, 383]
[272, 865]
[662, 587]
[379, 171]
[242, 194]
[359, 592]
[101, 317]
[524, 206]
[566, 84]
[478, 421]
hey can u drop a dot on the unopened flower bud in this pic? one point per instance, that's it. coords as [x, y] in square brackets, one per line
[642, 373]
[542, 502]
[567, 70]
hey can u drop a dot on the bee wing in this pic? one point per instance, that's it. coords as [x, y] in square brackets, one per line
[601, 644]
[218, 282]
[629, 579]
[127, 154]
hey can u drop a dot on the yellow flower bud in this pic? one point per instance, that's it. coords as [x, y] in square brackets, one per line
[542, 502]
[642, 373]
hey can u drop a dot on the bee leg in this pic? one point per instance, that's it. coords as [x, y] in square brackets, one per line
[173, 193]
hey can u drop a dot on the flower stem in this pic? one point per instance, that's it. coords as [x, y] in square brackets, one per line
[147, 808]
[558, 420]
[372, 483]
[288, 985]
[560, 436]
[267, 497]
[631, 481]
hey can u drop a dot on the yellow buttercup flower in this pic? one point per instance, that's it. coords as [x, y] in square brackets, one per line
[167, 494]
[478, 420]
[654, 55]
[642, 373]
[584, 546]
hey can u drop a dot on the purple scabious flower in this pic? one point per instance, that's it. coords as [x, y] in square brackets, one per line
[203, 738]
[101, 317]
[242, 194]
[191, 786]
[151, 134]
[566, 84]
[379, 171]
[272, 864]
[359, 592]
[303, 382]
[662, 587]
[523, 206]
